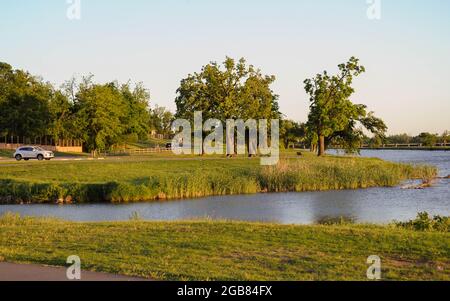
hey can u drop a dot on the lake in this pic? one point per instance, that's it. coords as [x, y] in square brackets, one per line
[375, 205]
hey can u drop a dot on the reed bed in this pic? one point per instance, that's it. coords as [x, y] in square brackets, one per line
[332, 174]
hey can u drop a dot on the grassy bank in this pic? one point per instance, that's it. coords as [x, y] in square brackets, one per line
[206, 250]
[141, 179]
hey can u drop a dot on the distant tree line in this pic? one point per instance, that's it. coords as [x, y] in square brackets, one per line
[426, 139]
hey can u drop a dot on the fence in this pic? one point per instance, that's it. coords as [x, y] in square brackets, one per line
[140, 151]
[410, 145]
[48, 143]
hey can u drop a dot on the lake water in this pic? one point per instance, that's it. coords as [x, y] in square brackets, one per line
[375, 205]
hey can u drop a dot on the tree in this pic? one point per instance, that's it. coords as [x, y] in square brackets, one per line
[428, 139]
[61, 117]
[352, 137]
[332, 114]
[136, 103]
[100, 110]
[292, 132]
[24, 103]
[445, 137]
[399, 139]
[104, 115]
[232, 92]
[161, 120]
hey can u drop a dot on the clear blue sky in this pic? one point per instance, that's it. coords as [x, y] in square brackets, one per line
[158, 42]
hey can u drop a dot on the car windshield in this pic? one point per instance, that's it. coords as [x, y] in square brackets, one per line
[38, 149]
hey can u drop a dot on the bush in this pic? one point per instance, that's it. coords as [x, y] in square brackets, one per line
[424, 222]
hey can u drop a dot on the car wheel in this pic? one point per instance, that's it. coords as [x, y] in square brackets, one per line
[40, 157]
[18, 157]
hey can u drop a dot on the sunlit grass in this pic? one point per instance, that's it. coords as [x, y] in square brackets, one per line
[223, 250]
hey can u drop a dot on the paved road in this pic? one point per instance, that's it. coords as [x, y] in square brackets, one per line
[31, 272]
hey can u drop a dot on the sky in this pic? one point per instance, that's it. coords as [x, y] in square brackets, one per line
[406, 51]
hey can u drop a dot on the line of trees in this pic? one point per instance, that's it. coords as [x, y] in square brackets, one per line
[426, 139]
[105, 115]
[100, 115]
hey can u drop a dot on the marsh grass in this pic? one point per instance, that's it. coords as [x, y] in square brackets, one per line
[160, 179]
[338, 173]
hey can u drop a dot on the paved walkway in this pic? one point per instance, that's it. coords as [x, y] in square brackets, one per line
[31, 272]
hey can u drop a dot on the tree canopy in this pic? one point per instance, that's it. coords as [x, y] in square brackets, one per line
[161, 120]
[332, 115]
[101, 115]
[231, 91]
[24, 103]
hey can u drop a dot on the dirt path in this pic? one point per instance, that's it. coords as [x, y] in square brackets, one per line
[31, 272]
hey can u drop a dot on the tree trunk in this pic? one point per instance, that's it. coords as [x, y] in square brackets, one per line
[321, 145]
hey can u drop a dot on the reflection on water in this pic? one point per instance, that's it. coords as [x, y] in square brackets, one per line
[375, 205]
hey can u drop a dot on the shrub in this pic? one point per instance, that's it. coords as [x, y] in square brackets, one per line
[424, 222]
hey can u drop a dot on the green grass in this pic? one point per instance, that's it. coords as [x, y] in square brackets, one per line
[5, 153]
[147, 179]
[206, 250]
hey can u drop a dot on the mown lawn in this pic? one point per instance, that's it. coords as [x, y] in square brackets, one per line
[207, 250]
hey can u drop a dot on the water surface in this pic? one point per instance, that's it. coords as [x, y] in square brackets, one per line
[375, 205]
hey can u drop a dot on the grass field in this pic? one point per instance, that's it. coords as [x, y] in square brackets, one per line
[206, 250]
[155, 178]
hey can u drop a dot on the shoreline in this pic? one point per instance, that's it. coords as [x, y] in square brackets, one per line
[424, 185]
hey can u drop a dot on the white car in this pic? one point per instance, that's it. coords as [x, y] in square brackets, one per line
[33, 152]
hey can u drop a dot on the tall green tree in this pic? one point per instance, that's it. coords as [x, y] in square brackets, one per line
[332, 113]
[100, 110]
[231, 91]
[161, 120]
[136, 101]
[104, 115]
[61, 117]
[24, 103]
